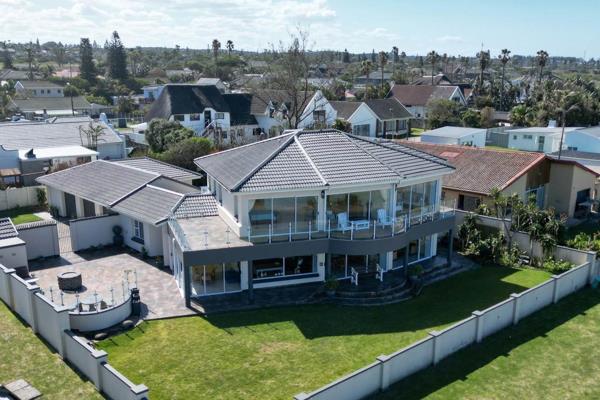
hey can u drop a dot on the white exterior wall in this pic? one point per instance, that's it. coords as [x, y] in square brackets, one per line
[363, 116]
[417, 111]
[318, 102]
[477, 139]
[518, 141]
[95, 321]
[89, 232]
[112, 151]
[582, 142]
[14, 255]
[153, 241]
[266, 123]
[19, 197]
[40, 241]
[56, 198]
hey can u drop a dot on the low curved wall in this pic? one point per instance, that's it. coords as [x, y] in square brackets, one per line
[98, 320]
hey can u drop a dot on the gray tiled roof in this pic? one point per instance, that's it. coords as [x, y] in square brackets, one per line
[389, 108]
[35, 84]
[168, 170]
[149, 204]
[201, 205]
[345, 109]
[7, 229]
[99, 181]
[316, 159]
[33, 104]
[231, 166]
[27, 135]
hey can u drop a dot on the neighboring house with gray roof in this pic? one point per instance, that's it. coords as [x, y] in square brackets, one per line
[239, 118]
[139, 200]
[416, 97]
[374, 117]
[42, 99]
[163, 168]
[31, 149]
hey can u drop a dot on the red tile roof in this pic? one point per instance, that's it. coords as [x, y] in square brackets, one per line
[480, 170]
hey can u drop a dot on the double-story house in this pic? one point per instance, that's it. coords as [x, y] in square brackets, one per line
[374, 117]
[44, 99]
[416, 97]
[239, 118]
[301, 207]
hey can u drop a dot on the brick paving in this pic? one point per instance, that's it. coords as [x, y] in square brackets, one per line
[102, 270]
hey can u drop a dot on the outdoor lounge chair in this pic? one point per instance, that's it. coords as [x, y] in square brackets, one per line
[383, 219]
[343, 223]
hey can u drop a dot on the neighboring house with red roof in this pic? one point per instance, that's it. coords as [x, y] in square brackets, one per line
[416, 97]
[561, 184]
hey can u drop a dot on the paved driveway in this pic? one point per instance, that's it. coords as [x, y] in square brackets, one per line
[104, 270]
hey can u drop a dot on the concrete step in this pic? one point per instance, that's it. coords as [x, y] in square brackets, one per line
[375, 301]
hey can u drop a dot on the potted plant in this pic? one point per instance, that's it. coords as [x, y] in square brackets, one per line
[118, 236]
[415, 274]
[331, 286]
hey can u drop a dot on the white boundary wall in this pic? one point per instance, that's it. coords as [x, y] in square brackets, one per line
[391, 368]
[92, 231]
[41, 239]
[19, 197]
[54, 325]
[98, 320]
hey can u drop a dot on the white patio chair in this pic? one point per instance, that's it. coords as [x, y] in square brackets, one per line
[383, 219]
[343, 223]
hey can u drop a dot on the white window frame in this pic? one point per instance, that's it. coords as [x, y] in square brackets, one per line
[138, 230]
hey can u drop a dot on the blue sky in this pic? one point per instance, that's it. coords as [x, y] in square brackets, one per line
[453, 27]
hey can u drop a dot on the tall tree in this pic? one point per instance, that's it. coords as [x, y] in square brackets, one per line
[117, 58]
[365, 68]
[383, 59]
[433, 58]
[484, 62]
[87, 69]
[216, 46]
[135, 56]
[30, 56]
[504, 58]
[6, 57]
[541, 59]
[59, 54]
[346, 56]
[373, 57]
[229, 47]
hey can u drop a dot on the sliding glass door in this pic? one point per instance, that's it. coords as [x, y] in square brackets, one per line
[215, 278]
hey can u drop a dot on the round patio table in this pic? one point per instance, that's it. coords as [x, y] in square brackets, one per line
[69, 280]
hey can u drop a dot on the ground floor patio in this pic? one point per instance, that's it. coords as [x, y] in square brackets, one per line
[108, 273]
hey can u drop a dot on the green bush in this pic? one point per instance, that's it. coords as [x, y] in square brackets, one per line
[556, 266]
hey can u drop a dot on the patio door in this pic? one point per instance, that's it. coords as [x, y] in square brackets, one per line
[70, 207]
[215, 279]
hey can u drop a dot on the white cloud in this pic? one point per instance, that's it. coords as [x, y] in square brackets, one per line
[450, 39]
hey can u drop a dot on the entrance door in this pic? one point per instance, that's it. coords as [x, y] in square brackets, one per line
[89, 209]
[207, 119]
[541, 141]
[71, 208]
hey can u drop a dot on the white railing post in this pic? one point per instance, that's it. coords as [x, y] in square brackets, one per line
[374, 229]
[352, 232]
[393, 225]
[328, 228]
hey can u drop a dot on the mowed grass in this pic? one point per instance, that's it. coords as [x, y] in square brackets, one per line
[25, 356]
[277, 353]
[553, 354]
[21, 215]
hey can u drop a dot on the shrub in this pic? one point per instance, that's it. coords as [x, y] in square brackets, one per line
[556, 266]
[41, 197]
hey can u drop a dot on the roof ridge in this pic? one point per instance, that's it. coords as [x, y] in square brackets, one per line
[244, 146]
[310, 161]
[347, 136]
[264, 162]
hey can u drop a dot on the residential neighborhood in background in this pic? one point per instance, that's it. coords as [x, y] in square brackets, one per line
[291, 218]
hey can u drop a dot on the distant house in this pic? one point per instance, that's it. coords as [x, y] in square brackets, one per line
[151, 92]
[416, 97]
[31, 149]
[212, 82]
[14, 75]
[239, 118]
[563, 185]
[540, 139]
[374, 78]
[439, 79]
[46, 99]
[374, 117]
[583, 139]
[455, 135]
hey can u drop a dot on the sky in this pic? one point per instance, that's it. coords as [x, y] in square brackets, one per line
[455, 27]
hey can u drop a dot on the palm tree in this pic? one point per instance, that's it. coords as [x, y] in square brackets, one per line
[484, 62]
[542, 59]
[395, 58]
[432, 58]
[229, 47]
[365, 67]
[504, 58]
[383, 59]
[216, 45]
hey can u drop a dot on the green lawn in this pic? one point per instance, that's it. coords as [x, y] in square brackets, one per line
[416, 131]
[279, 352]
[553, 354]
[25, 356]
[21, 215]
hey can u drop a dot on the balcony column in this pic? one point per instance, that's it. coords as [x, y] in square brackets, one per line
[250, 282]
[450, 245]
[406, 260]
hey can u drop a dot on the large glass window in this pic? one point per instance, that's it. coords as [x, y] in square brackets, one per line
[337, 204]
[233, 277]
[260, 215]
[429, 196]
[288, 266]
[359, 206]
[284, 214]
[379, 206]
[418, 192]
[338, 266]
[306, 212]
[402, 201]
[215, 278]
